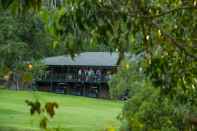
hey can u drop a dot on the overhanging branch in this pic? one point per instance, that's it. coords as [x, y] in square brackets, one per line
[174, 42]
[170, 11]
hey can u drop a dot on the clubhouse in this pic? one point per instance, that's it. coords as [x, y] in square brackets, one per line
[87, 74]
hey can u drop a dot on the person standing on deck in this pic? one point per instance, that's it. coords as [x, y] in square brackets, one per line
[86, 74]
[91, 74]
[98, 75]
[79, 74]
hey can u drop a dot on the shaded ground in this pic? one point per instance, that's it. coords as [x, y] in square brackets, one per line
[74, 114]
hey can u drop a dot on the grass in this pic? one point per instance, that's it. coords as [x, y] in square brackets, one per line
[74, 113]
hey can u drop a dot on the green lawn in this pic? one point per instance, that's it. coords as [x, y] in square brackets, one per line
[74, 113]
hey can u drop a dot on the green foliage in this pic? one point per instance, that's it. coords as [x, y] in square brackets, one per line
[148, 110]
[171, 69]
[149, 107]
[125, 25]
[30, 72]
[126, 81]
[6, 4]
[128, 25]
[21, 39]
[34, 106]
[49, 108]
[83, 23]
[36, 70]
[21, 6]
[161, 95]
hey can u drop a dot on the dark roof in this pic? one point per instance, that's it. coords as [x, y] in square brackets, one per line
[85, 59]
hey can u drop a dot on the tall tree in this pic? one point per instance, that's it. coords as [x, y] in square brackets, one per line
[22, 39]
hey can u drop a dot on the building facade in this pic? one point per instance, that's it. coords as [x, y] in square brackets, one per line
[87, 74]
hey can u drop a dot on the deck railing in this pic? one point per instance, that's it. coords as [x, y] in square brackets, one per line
[67, 77]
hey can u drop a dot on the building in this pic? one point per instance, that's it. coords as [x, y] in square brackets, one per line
[87, 74]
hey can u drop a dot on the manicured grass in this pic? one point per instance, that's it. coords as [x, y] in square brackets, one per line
[74, 113]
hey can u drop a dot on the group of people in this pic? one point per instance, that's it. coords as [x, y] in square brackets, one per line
[89, 74]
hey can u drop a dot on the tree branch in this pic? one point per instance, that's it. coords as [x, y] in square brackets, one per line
[174, 42]
[170, 11]
[138, 14]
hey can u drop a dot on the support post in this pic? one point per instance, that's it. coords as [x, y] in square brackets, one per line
[84, 90]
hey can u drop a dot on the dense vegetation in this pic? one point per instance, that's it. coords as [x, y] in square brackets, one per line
[161, 85]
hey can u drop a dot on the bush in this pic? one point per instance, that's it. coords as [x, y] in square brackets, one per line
[150, 111]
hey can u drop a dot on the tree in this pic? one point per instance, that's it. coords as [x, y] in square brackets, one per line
[158, 28]
[22, 39]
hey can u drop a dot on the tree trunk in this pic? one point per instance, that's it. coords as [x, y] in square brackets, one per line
[120, 57]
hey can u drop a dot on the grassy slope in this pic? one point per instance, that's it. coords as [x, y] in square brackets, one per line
[74, 113]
